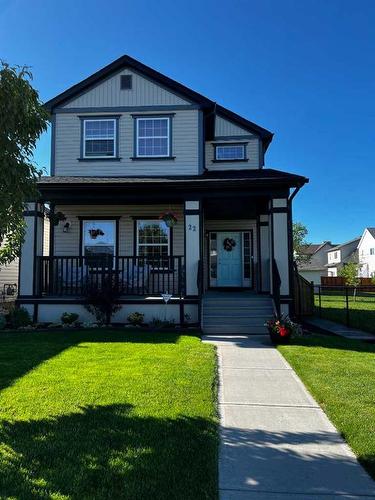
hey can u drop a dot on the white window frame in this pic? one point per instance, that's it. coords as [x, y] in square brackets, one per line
[98, 221]
[152, 221]
[242, 145]
[85, 120]
[168, 137]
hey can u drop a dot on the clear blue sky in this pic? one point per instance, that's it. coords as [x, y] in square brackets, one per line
[304, 69]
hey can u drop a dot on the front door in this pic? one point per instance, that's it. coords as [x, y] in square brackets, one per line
[229, 253]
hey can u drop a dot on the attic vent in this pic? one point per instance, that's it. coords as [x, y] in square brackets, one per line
[126, 82]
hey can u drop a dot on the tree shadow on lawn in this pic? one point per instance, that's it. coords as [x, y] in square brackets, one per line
[20, 352]
[362, 319]
[105, 452]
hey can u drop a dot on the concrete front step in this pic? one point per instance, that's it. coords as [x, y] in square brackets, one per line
[249, 321]
[234, 329]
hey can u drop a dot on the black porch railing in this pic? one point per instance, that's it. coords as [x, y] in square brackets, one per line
[72, 276]
[276, 284]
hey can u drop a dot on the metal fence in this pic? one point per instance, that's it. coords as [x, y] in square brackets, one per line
[352, 306]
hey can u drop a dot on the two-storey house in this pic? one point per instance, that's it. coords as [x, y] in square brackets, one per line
[340, 255]
[366, 253]
[165, 190]
[315, 267]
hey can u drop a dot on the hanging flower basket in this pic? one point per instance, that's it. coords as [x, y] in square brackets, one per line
[55, 218]
[94, 233]
[169, 218]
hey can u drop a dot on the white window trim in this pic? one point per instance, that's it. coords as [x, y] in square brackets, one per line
[167, 118]
[104, 138]
[113, 221]
[243, 146]
[152, 221]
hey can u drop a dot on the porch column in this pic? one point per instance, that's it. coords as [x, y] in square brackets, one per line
[192, 245]
[31, 247]
[264, 257]
[280, 248]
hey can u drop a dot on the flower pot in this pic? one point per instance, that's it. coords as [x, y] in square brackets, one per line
[276, 338]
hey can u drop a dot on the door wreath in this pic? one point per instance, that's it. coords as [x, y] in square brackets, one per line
[229, 244]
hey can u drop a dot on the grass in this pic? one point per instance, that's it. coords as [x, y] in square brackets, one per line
[340, 374]
[361, 310]
[107, 415]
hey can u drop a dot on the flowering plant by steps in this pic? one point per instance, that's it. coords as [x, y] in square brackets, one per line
[281, 329]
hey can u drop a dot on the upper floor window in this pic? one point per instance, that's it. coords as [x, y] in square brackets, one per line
[153, 136]
[99, 138]
[372, 251]
[230, 152]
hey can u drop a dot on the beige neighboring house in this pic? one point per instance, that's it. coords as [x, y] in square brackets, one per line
[162, 190]
[9, 273]
[9, 281]
[316, 267]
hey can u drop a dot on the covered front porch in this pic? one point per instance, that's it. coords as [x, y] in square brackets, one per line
[229, 233]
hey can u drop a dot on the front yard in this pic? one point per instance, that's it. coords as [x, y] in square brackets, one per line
[106, 414]
[340, 374]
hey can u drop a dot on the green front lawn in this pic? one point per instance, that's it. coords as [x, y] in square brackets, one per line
[107, 414]
[340, 374]
[361, 310]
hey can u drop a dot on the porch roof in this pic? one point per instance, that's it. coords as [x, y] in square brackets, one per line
[256, 182]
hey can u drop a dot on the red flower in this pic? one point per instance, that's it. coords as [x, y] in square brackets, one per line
[283, 331]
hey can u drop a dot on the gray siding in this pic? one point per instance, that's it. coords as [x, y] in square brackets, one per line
[185, 147]
[252, 150]
[9, 274]
[68, 243]
[143, 93]
[224, 127]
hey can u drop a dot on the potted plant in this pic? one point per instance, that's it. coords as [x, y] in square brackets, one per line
[281, 329]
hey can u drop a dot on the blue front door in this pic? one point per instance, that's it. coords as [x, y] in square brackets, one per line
[229, 253]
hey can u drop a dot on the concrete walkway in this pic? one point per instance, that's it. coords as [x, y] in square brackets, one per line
[338, 329]
[276, 442]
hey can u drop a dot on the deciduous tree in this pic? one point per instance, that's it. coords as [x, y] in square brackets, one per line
[22, 121]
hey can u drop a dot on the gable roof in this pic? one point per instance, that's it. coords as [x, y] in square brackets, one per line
[371, 230]
[207, 105]
[313, 248]
[337, 247]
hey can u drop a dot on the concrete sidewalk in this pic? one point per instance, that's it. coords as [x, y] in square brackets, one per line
[276, 442]
[337, 329]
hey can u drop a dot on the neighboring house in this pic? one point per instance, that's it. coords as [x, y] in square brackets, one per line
[9, 273]
[134, 152]
[9, 280]
[340, 255]
[366, 253]
[316, 266]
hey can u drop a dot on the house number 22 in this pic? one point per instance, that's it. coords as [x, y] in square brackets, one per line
[192, 227]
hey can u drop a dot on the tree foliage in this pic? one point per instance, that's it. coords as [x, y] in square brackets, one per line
[300, 244]
[350, 274]
[22, 121]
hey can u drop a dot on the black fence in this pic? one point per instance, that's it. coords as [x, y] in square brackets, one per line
[351, 306]
[73, 276]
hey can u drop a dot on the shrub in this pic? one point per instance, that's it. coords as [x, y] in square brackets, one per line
[69, 318]
[136, 318]
[18, 317]
[101, 299]
[159, 324]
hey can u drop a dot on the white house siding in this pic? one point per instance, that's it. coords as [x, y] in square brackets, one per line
[252, 151]
[109, 94]
[224, 127]
[185, 148]
[366, 260]
[9, 274]
[68, 243]
[227, 225]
